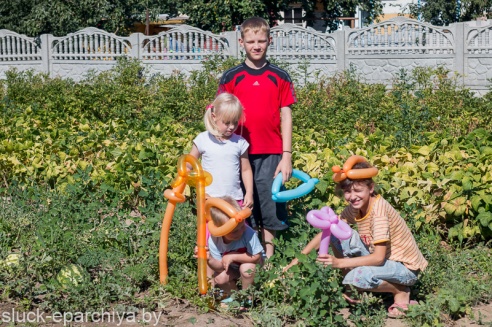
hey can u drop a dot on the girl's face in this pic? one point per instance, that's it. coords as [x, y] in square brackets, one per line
[225, 128]
[359, 196]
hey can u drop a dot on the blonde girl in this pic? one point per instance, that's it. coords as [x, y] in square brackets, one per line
[223, 153]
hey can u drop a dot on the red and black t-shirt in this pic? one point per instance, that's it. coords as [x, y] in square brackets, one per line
[262, 93]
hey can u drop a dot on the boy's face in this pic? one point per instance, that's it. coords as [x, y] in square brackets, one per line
[359, 196]
[255, 45]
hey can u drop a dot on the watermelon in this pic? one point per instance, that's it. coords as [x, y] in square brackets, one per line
[71, 276]
[11, 260]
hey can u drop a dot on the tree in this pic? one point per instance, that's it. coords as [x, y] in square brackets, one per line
[221, 15]
[332, 9]
[34, 17]
[224, 15]
[445, 12]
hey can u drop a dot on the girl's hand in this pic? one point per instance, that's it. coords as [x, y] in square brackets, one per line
[328, 260]
[248, 201]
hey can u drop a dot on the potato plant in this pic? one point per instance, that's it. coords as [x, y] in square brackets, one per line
[83, 167]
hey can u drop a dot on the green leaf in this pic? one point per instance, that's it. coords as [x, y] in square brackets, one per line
[116, 152]
[467, 184]
[322, 186]
[475, 202]
[485, 218]
[449, 208]
[456, 175]
[432, 167]
[486, 150]
[424, 150]
[454, 305]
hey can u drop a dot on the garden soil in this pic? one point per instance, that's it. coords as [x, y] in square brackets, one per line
[184, 315]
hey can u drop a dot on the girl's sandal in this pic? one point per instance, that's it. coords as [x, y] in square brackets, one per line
[398, 310]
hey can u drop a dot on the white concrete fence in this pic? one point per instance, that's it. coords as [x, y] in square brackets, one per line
[377, 52]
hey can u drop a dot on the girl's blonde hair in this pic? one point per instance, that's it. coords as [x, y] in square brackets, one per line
[226, 107]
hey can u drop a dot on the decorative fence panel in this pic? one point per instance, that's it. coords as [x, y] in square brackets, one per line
[295, 45]
[16, 47]
[90, 49]
[19, 51]
[381, 50]
[378, 51]
[401, 36]
[182, 49]
[291, 42]
[184, 43]
[478, 56]
[89, 44]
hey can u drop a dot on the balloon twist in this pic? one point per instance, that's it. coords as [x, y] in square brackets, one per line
[198, 178]
[348, 172]
[326, 220]
[301, 190]
[236, 216]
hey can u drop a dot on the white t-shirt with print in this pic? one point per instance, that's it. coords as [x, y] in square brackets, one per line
[222, 159]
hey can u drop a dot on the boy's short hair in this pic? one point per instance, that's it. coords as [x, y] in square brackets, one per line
[255, 24]
[218, 216]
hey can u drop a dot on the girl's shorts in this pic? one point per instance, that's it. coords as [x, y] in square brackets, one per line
[370, 277]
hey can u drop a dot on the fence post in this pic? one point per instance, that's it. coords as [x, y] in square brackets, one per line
[232, 38]
[135, 42]
[339, 37]
[459, 50]
[45, 48]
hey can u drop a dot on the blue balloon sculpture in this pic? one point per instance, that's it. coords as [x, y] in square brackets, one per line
[301, 190]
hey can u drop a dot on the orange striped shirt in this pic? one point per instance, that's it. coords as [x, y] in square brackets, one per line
[383, 223]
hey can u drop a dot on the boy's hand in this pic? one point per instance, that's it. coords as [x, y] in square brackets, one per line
[284, 167]
[328, 260]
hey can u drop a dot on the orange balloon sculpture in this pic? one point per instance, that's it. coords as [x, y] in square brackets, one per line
[198, 178]
[347, 172]
[236, 216]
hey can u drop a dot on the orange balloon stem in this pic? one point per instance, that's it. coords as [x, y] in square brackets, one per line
[164, 242]
[201, 236]
[164, 239]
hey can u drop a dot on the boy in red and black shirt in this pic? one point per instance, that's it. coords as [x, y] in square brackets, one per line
[266, 93]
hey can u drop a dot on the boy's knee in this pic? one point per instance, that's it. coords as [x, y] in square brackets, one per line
[247, 270]
[222, 278]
